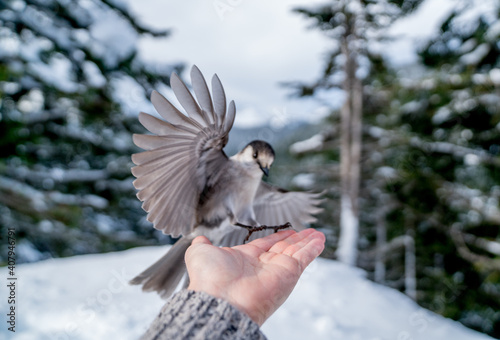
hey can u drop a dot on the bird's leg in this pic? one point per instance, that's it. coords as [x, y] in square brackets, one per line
[252, 229]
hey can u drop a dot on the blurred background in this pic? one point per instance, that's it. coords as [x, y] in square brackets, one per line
[391, 106]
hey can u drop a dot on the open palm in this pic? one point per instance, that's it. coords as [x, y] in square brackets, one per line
[256, 277]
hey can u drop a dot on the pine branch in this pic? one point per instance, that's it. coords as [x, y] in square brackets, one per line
[59, 175]
[430, 146]
[461, 197]
[492, 247]
[481, 261]
[132, 21]
[23, 197]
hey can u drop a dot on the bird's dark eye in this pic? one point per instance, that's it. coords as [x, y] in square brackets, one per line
[255, 154]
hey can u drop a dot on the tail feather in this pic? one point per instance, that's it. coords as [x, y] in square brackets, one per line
[164, 275]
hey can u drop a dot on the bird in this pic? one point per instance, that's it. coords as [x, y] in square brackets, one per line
[190, 187]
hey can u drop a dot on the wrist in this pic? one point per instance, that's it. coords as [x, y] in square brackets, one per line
[256, 317]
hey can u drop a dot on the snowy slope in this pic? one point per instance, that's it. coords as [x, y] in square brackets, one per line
[87, 297]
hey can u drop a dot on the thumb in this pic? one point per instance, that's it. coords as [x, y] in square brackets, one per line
[198, 247]
[201, 240]
[195, 246]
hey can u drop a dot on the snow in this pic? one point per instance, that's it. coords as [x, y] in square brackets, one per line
[93, 74]
[415, 28]
[474, 57]
[412, 106]
[495, 76]
[441, 116]
[112, 38]
[90, 200]
[348, 241]
[28, 252]
[386, 172]
[311, 144]
[304, 181]
[493, 32]
[492, 247]
[57, 72]
[463, 198]
[32, 102]
[128, 92]
[467, 46]
[88, 297]
[474, 10]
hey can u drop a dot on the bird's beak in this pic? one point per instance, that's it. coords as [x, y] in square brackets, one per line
[265, 170]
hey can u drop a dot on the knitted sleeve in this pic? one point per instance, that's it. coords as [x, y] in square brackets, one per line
[197, 315]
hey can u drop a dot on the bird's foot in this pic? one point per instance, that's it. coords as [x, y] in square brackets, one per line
[252, 229]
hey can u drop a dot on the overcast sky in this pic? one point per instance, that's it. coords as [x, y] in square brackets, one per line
[255, 45]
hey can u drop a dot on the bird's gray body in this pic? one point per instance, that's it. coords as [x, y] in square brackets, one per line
[190, 187]
[229, 195]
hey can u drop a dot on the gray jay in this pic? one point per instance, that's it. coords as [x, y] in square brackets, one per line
[190, 187]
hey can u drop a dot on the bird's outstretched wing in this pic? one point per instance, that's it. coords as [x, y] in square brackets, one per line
[172, 173]
[275, 206]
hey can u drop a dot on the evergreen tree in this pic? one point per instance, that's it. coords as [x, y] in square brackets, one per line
[446, 128]
[351, 25]
[429, 211]
[67, 68]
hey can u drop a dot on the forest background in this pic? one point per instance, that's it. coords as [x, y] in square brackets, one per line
[408, 152]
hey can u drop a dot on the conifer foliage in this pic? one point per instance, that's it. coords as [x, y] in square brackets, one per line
[69, 74]
[430, 187]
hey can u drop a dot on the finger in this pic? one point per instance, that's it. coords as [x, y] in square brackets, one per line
[280, 247]
[314, 246]
[293, 248]
[201, 240]
[300, 243]
[265, 243]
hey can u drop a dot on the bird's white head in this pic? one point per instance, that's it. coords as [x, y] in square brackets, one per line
[258, 155]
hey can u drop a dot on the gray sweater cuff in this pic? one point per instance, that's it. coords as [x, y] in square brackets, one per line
[197, 315]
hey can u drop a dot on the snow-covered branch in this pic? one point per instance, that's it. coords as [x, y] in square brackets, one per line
[474, 155]
[59, 175]
[463, 198]
[478, 155]
[492, 247]
[314, 143]
[22, 196]
[463, 250]
[43, 116]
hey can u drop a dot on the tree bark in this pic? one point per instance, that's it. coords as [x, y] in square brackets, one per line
[381, 243]
[350, 153]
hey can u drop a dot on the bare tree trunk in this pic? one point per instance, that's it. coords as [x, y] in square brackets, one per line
[381, 244]
[350, 153]
[410, 267]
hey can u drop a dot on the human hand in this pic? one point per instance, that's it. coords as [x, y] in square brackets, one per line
[256, 277]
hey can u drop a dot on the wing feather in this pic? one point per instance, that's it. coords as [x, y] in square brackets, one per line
[275, 206]
[203, 95]
[162, 198]
[187, 100]
[152, 142]
[162, 128]
[219, 99]
[183, 148]
[175, 221]
[163, 174]
[229, 119]
[162, 185]
[157, 164]
[150, 155]
[170, 113]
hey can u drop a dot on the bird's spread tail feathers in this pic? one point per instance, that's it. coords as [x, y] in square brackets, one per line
[164, 275]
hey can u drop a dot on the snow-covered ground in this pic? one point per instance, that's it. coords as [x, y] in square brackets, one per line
[87, 297]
